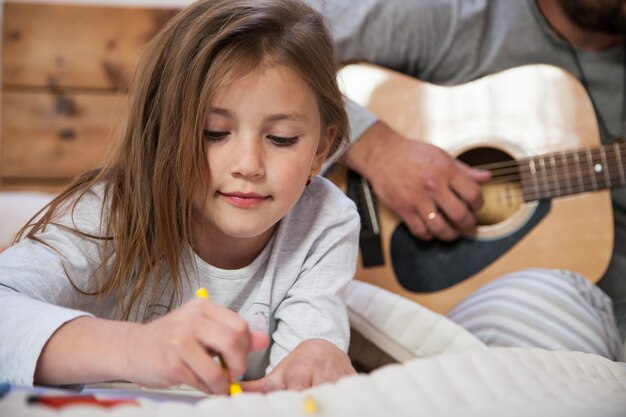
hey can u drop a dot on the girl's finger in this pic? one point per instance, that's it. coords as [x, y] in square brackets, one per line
[262, 385]
[232, 347]
[186, 376]
[258, 340]
[205, 370]
[301, 378]
[222, 314]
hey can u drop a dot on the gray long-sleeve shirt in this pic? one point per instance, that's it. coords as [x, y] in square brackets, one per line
[292, 289]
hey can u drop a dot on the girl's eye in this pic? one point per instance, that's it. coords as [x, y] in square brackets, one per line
[214, 135]
[282, 141]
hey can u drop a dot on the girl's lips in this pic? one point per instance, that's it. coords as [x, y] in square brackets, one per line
[244, 200]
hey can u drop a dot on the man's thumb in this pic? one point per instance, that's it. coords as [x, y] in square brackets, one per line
[477, 174]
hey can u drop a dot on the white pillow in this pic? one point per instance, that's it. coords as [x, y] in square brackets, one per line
[387, 327]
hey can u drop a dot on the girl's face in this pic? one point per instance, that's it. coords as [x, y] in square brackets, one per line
[261, 139]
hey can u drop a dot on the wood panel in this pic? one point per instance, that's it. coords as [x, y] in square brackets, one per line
[53, 137]
[74, 46]
[65, 70]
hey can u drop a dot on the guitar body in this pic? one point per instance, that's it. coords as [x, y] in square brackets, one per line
[518, 113]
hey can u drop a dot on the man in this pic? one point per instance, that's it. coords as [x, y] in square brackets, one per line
[455, 41]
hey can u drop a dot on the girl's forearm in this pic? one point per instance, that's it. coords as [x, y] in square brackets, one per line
[85, 350]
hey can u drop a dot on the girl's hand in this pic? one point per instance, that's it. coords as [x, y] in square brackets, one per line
[179, 348]
[313, 362]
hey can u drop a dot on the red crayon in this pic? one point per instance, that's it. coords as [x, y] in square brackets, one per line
[60, 401]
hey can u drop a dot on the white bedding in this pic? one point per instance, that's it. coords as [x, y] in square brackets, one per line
[480, 382]
[499, 382]
[455, 376]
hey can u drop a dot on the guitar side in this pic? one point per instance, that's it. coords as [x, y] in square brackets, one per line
[523, 112]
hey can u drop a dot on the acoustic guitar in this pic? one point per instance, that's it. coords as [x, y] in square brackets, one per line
[547, 205]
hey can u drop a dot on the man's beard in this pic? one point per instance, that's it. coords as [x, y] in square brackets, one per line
[608, 16]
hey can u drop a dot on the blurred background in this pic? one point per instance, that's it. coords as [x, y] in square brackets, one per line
[65, 72]
[65, 67]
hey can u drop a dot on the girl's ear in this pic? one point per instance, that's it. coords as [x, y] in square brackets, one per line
[323, 149]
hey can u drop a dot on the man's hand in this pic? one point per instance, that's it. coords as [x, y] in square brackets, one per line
[434, 194]
[313, 362]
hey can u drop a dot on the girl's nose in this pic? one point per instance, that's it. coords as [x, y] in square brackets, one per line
[248, 159]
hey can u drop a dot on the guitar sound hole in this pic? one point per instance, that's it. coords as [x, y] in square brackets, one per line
[502, 195]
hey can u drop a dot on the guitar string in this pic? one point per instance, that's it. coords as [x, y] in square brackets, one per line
[553, 185]
[609, 163]
[582, 151]
[563, 171]
[555, 189]
[549, 182]
[558, 156]
[585, 167]
[552, 177]
[531, 194]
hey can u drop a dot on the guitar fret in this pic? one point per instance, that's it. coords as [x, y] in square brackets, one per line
[606, 166]
[620, 165]
[591, 169]
[580, 178]
[611, 171]
[557, 180]
[566, 168]
[533, 173]
[546, 181]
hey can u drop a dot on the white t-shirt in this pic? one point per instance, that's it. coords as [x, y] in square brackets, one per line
[292, 289]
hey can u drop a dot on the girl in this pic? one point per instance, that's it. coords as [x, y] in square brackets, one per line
[234, 109]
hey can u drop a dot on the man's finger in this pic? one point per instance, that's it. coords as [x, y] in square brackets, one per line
[455, 210]
[478, 175]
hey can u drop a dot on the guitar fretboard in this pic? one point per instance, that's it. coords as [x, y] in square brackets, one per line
[570, 172]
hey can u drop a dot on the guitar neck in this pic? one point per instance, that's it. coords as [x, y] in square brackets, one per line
[571, 172]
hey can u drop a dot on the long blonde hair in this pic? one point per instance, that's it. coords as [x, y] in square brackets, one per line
[159, 160]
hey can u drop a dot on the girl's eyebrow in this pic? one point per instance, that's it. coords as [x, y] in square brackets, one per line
[299, 117]
[220, 111]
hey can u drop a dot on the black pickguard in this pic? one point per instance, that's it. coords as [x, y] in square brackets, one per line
[424, 267]
[432, 266]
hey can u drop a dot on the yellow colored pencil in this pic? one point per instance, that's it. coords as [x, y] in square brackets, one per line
[235, 387]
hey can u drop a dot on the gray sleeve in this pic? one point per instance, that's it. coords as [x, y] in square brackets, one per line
[397, 34]
[314, 307]
[360, 120]
[37, 297]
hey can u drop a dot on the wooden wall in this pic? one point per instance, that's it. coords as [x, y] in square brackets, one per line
[65, 72]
